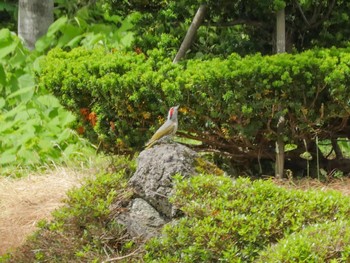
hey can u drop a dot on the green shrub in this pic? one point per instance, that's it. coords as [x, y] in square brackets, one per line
[327, 242]
[83, 229]
[234, 220]
[230, 105]
[35, 128]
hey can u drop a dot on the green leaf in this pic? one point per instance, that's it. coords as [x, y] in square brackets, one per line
[7, 43]
[18, 59]
[127, 39]
[5, 36]
[45, 143]
[43, 43]
[49, 100]
[29, 157]
[75, 41]
[36, 63]
[56, 26]
[2, 103]
[290, 147]
[69, 32]
[91, 39]
[7, 158]
[66, 118]
[306, 156]
[26, 80]
[2, 76]
[25, 93]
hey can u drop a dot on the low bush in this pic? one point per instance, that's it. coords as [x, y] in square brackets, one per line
[231, 105]
[327, 242]
[234, 220]
[224, 220]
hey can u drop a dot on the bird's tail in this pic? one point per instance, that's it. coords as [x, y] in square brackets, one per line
[150, 144]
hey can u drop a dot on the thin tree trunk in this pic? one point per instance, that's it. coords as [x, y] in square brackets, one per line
[281, 48]
[281, 31]
[186, 43]
[34, 18]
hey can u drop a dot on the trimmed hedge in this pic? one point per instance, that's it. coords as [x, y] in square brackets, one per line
[234, 220]
[230, 105]
[317, 243]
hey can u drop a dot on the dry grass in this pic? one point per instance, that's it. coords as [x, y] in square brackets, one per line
[342, 185]
[25, 201]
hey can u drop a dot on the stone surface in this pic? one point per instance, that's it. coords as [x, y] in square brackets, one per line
[156, 166]
[152, 185]
[141, 219]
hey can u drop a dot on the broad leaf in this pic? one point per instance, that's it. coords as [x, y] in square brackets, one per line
[7, 44]
[6, 158]
[56, 26]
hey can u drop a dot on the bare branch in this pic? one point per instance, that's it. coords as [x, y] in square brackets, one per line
[186, 43]
[302, 13]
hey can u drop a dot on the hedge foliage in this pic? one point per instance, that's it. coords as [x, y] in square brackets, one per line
[317, 243]
[228, 104]
[235, 220]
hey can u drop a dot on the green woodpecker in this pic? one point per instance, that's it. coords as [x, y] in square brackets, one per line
[168, 129]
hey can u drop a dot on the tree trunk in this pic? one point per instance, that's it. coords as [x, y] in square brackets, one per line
[34, 18]
[281, 48]
[186, 43]
[280, 32]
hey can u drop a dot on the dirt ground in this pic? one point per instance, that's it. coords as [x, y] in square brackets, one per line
[25, 201]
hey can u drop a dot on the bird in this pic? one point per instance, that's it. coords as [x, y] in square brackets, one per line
[167, 130]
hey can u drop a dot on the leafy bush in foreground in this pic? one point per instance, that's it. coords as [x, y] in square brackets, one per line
[231, 105]
[35, 128]
[225, 221]
[317, 243]
[234, 221]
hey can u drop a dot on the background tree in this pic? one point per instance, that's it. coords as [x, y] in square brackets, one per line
[34, 18]
[240, 26]
[281, 48]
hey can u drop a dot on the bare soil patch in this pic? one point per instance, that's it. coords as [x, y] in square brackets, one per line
[25, 201]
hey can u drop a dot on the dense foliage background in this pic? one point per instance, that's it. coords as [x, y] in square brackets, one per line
[109, 63]
[229, 105]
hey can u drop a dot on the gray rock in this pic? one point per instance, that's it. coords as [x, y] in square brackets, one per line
[141, 220]
[152, 180]
[152, 184]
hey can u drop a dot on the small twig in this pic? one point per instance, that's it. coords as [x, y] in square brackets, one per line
[302, 13]
[123, 257]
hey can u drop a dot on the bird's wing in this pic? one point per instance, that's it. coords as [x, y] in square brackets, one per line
[165, 129]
